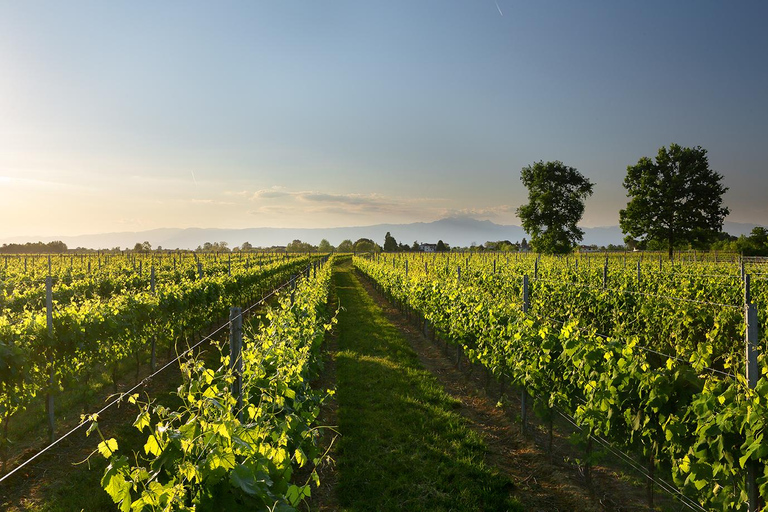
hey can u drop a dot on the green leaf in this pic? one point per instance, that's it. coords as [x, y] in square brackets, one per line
[142, 420]
[242, 477]
[152, 447]
[301, 458]
[116, 485]
[108, 447]
[295, 495]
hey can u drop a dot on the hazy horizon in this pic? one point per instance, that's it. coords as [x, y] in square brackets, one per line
[136, 116]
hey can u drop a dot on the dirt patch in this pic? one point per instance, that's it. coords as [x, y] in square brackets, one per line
[544, 482]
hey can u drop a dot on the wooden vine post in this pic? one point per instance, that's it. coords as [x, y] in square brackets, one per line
[49, 404]
[524, 395]
[153, 358]
[235, 360]
[752, 375]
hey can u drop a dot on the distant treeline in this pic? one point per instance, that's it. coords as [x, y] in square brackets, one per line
[34, 248]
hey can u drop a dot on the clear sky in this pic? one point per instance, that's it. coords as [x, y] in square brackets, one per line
[123, 116]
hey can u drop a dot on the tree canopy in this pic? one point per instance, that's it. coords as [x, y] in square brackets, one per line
[298, 246]
[676, 200]
[390, 244]
[35, 248]
[366, 245]
[754, 244]
[556, 194]
[345, 246]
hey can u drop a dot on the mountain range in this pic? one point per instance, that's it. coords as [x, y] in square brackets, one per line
[455, 231]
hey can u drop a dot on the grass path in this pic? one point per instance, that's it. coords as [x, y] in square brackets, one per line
[403, 446]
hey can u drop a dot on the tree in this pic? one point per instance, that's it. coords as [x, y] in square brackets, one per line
[556, 194]
[365, 245]
[246, 247]
[390, 244]
[441, 247]
[345, 246]
[415, 247]
[298, 246]
[675, 201]
[325, 246]
[756, 244]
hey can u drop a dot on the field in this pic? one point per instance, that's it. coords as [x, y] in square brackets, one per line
[656, 365]
[645, 356]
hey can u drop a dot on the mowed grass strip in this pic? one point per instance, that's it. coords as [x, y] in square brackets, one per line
[403, 445]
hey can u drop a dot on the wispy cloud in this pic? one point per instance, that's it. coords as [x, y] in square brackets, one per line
[483, 211]
[349, 199]
[271, 193]
[330, 202]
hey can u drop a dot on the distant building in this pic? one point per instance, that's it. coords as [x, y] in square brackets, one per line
[428, 247]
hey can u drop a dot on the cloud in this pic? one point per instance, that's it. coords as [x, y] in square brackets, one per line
[271, 193]
[331, 203]
[320, 197]
[485, 211]
[348, 199]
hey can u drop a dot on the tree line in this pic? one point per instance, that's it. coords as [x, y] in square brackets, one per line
[56, 247]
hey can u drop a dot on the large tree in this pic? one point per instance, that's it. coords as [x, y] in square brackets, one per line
[676, 200]
[556, 194]
[390, 244]
[366, 245]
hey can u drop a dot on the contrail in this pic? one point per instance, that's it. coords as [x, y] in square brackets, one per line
[499, 8]
[193, 176]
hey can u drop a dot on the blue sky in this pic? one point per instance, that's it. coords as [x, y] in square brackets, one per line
[118, 116]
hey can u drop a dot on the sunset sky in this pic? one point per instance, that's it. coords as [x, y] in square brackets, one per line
[126, 116]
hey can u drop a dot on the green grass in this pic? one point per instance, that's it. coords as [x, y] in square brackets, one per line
[403, 446]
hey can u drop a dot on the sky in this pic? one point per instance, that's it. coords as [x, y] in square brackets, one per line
[127, 116]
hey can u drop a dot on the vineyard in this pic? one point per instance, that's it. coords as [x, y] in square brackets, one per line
[70, 321]
[658, 363]
[648, 357]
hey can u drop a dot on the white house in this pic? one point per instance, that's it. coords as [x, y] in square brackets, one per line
[428, 247]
